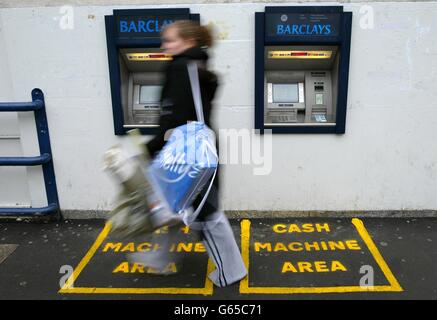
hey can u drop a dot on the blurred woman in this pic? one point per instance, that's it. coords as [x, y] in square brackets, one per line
[186, 41]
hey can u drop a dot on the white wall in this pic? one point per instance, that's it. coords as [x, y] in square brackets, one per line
[386, 160]
[13, 180]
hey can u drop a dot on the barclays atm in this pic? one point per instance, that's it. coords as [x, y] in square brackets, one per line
[301, 69]
[137, 65]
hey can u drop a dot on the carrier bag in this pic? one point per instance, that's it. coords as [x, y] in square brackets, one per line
[138, 210]
[189, 159]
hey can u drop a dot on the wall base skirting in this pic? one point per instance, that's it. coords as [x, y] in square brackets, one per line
[252, 214]
[236, 214]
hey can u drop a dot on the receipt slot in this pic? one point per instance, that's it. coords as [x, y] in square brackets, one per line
[301, 69]
[137, 65]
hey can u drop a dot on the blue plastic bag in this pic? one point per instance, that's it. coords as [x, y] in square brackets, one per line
[186, 163]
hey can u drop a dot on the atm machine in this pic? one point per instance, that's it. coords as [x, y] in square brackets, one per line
[141, 71]
[301, 69]
[137, 65]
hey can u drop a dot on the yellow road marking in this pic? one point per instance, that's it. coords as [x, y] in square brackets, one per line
[245, 243]
[359, 225]
[69, 284]
[244, 284]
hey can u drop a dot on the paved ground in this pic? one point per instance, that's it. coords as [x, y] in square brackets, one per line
[304, 258]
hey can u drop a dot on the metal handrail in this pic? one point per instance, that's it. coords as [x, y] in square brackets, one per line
[21, 106]
[25, 161]
[45, 158]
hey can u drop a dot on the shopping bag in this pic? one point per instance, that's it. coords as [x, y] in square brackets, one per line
[186, 163]
[138, 209]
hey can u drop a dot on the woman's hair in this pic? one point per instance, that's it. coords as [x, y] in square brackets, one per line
[188, 29]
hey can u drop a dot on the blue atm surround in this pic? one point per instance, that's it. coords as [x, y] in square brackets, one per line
[337, 31]
[135, 28]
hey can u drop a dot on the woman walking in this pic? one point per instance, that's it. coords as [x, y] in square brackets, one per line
[187, 42]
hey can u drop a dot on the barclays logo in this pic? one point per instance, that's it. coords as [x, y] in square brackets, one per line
[303, 29]
[143, 26]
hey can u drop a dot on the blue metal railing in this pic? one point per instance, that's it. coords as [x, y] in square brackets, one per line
[45, 159]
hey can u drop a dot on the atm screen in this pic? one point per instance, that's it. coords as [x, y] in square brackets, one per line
[150, 94]
[286, 92]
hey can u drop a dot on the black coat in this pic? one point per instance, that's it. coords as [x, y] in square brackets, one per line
[177, 105]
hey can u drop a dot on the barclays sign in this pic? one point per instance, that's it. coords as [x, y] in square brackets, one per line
[142, 26]
[304, 29]
[291, 25]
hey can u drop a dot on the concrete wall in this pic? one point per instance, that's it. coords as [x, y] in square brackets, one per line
[386, 160]
[56, 3]
[13, 180]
